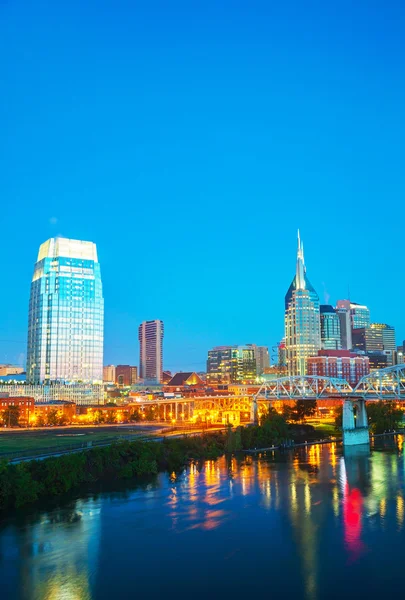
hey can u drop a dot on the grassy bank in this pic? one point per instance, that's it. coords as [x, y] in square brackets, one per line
[28, 482]
[38, 440]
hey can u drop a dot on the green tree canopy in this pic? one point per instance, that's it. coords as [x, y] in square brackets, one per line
[11, 416]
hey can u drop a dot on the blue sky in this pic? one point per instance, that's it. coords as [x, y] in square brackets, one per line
[190, 140]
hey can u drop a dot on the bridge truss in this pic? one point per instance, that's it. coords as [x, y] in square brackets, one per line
[309, 387]
[384, 384]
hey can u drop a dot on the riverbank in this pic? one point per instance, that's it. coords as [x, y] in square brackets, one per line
[22, 483]
[28, 482]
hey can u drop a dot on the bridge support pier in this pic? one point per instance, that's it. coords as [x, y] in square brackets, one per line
[355, 431]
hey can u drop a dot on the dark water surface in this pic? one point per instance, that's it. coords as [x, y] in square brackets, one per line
[310, 524]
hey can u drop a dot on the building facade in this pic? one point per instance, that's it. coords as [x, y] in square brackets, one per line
[66, 314]
[359, 313]
[151, 351]
[330, 328]
[262, 357]
[302, 319]
[368, 339]
[6, 370]
[126, 375]
[345, 327]
[109, 374]
[77, 393]
[388, 341]
[341, 364]
[231, 364]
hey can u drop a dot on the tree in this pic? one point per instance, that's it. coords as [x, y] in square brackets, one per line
[384, 416]
[63, 420]
[52, 417]
[111, 417]
[305, 408]
[150, 414]
[11, 416]
[135, 416]
[98, 417]
[290, 413]
[339, 417]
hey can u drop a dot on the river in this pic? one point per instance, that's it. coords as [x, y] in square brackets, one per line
[307, 524]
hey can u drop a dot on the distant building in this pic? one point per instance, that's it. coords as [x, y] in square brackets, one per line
[359, 313]
[330, 328]
[66, 409]
[388, 340]
[184, 382]
[151, 351]
[109, 374]
[66, 314]
[345, 327]
[262, 357]
[231, 364]
[368, 339]
[302, 319]
[339, 363]
[166, 377]
[400, 360]
[25, 404]
[125, 375]
[83, 394]
[378, 360]
[6, 370]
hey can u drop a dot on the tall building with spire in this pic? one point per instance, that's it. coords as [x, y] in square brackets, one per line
[302, 319]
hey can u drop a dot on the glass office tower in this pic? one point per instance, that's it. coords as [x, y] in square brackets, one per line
[330, 328]
[301, 319]
[66, 314]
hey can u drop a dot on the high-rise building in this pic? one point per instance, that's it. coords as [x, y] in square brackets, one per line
[388, 340]
[126, 375]
[368, 339]
[262, 357]
[151, 351]
[302, 319]
[66, 314]
[330, 328]
[359, 313]
[231, 364]
[345, 327]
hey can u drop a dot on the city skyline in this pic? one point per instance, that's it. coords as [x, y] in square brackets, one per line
[191, 155]
[200, 366]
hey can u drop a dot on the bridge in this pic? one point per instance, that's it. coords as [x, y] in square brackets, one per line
[382, 384]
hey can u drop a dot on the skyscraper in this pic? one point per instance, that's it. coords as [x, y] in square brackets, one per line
[151, 351]
[231, 364]
[345, 327]
[330, 328]
[302, 319]
[359, 313]
[262, 357]
[66, 314]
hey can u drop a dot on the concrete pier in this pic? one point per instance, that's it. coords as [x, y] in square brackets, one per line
[355, 431]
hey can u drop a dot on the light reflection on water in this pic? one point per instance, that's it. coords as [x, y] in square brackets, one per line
[294, 519]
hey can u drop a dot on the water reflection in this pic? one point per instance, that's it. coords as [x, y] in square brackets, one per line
[312, 509]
